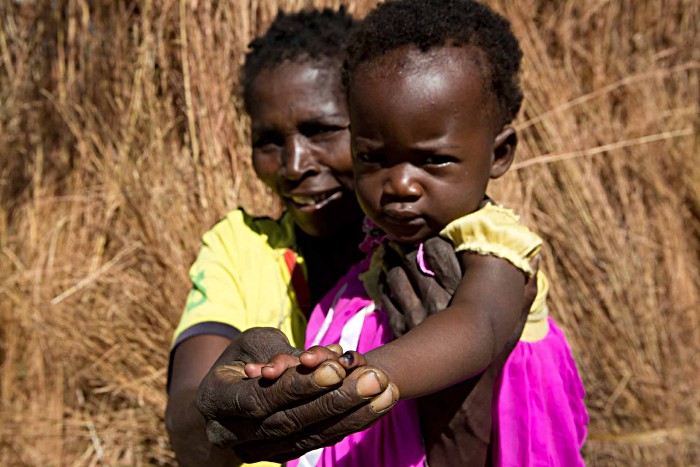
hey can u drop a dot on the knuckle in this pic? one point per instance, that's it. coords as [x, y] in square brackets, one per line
[243, 399]
[338, 401]
[251, 405]
[205, 402]
[281, 424]
[295, 386]
[219, 435]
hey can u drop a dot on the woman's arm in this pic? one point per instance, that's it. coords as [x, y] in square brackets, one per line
[186, 427]
[463, 339]
[212, 403]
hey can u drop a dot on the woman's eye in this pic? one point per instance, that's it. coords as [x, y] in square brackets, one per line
[267, 140]
[311, 130]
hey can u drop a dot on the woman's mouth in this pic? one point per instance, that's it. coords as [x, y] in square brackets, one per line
[313, 200]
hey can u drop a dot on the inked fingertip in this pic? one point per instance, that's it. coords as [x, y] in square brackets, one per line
[348, 358]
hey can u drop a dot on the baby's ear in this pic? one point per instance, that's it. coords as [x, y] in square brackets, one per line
[503, 151]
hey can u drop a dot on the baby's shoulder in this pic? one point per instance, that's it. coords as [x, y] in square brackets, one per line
[495, 230]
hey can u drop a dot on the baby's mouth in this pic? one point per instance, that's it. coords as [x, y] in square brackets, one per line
[400, 215]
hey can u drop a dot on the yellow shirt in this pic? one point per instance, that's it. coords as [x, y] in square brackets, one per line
[242, 278]
[495, 230]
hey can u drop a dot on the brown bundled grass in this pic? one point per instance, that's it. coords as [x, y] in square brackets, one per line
[122, 139]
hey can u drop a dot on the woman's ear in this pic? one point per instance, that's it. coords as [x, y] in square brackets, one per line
[503, 151]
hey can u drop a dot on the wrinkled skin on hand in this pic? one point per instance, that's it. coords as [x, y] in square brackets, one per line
[457, 421]
[409, 296]
[265, 420]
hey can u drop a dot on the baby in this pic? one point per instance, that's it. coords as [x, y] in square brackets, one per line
[432, 89]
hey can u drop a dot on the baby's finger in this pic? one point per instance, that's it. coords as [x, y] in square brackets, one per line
[352, 359]
[318, 354]
[252, 370]
[277, 365]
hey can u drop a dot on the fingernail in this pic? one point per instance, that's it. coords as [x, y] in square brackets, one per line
[368, 384]
[234, 371]
[335, 348]
[348, 357]
[385, 400]
[328, 374]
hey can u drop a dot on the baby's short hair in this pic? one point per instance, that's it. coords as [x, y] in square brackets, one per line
[306, 35]
[434, 23]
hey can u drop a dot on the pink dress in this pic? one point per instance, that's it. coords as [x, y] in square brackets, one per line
[539, 418]
[539, 415]
[348, 317]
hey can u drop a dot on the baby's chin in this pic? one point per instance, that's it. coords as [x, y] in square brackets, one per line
[411, 238]
[411, 232]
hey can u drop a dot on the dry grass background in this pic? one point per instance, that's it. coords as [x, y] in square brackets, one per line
[122, 140]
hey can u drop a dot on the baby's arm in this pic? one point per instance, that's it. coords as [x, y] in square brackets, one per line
[463, 339]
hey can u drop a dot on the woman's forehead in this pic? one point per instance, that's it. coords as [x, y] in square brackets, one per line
[292, 93]
[320, 75]
[294, 82]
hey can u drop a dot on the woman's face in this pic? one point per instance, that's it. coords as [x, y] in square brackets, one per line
[301, 144]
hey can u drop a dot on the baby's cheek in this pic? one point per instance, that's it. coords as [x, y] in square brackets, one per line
[368, 195]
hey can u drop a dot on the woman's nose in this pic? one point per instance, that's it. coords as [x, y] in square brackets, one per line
[402, 183]
[297, 158]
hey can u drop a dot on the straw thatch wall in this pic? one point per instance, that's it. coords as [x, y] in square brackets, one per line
[122, 140]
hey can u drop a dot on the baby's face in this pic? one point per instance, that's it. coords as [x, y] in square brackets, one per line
[423, 140]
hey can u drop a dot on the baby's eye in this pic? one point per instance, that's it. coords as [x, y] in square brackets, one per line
[367, 158]
[435, 159]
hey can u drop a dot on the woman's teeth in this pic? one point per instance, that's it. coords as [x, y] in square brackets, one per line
[310, 200]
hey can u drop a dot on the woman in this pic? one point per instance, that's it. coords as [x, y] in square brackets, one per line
[250, 271]
[249, 282]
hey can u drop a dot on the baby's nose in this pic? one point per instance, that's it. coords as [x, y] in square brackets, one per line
[403, 182]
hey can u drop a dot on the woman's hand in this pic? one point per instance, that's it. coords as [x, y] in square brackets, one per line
[265, 420]
[409, 295]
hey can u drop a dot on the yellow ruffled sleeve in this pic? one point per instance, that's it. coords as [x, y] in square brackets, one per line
[497, 231]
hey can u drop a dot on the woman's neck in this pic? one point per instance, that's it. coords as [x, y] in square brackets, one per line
[328, 258]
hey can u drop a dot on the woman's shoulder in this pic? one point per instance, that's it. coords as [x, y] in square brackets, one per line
[240, 228]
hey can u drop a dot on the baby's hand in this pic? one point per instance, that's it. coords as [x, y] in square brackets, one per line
[277, 365]
[273, 368]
